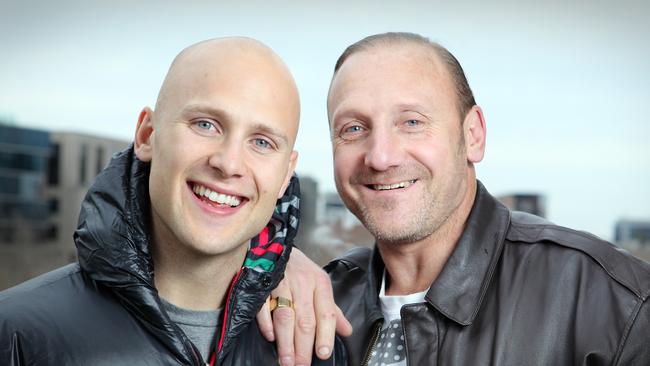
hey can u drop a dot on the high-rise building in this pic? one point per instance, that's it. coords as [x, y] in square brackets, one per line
[632, 232]
[24, 207]
[525, 202]
[633, 235]
[43, 179]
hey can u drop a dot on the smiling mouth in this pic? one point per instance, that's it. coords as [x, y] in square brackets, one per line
[214, 197]
[386, 187]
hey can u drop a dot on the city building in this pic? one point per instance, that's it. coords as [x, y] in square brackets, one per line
[43, 179]
[328, 229]
[531, 203]
[632, 232]
[24, 208]
[634, 236]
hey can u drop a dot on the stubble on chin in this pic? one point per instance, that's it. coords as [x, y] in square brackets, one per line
[391, 228]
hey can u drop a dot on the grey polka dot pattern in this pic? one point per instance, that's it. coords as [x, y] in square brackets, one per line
[390, 348]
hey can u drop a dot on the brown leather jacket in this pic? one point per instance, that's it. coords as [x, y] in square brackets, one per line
[517, 290]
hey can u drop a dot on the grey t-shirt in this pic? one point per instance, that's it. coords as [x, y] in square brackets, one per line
[201, 327]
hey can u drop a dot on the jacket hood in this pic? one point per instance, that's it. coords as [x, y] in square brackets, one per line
[113, 245]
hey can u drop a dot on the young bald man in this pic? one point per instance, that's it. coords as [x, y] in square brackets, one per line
[182, 238]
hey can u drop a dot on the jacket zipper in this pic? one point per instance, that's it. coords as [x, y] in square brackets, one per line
[213, 356]
[373, 343]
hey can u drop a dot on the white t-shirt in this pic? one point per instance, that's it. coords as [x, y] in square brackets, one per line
[389, 349]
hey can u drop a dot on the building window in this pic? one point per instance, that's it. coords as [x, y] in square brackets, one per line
[53, 205]
[82, 163]
[7, 235]
[6, 209]
[20, 161]
[100, 159]
[45, 235]
[9, 185]
[53, 167]
[30, 186]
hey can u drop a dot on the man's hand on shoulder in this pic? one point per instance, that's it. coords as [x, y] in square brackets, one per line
[314, 320]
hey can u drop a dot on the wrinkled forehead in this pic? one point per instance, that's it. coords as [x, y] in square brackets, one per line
[384, 67]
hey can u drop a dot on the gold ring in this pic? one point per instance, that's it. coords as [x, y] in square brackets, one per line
[280, 302]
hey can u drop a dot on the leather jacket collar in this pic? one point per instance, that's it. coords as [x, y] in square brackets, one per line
[459, 289]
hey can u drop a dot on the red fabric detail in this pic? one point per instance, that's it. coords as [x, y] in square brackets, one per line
[225, 317]
[264, 236]
[273, 247]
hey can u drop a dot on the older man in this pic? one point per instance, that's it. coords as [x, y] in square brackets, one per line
[180, 240]
[456, 278]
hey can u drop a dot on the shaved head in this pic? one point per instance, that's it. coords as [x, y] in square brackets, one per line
[219, 144]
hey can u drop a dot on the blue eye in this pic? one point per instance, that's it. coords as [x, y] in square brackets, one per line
[205, 125]
[352, 129]
[264, 144]
[412, 122]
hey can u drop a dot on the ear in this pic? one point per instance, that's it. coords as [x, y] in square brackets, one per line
[293, 159]
[474, 130]
[143, 135]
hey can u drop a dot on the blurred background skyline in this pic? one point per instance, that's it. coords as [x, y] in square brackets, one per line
[563, 85]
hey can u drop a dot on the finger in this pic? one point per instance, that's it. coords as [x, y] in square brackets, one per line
[326, 318]
[283, 322]
[343, 326]
[305, 325]
[265, 321]
[283, 325]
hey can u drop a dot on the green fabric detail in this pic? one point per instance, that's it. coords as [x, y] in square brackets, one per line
[263, 263]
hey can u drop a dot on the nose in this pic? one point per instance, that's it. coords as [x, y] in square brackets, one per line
[384, 151]
[228, 158]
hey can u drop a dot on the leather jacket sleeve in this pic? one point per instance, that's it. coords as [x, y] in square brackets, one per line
[636, 348]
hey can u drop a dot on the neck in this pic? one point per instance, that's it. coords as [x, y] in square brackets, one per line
[195, 281]
[413, 267]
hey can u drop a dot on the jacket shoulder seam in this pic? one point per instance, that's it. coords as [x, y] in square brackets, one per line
[626, 332]
[585, 244]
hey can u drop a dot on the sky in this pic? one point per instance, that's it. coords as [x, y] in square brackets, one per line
[564, 85]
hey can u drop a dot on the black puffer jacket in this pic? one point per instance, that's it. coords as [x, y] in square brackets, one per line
[517, 290]
[105, 310]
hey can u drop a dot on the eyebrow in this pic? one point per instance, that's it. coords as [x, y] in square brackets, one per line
[271, 131]
[416, 111]
[204, 108]
[346, 111]
[220, 113]
[400, 107]
[412, 107]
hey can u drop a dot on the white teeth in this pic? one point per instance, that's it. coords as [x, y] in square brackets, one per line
[212, 196]
[216, 196]
[384, 187]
